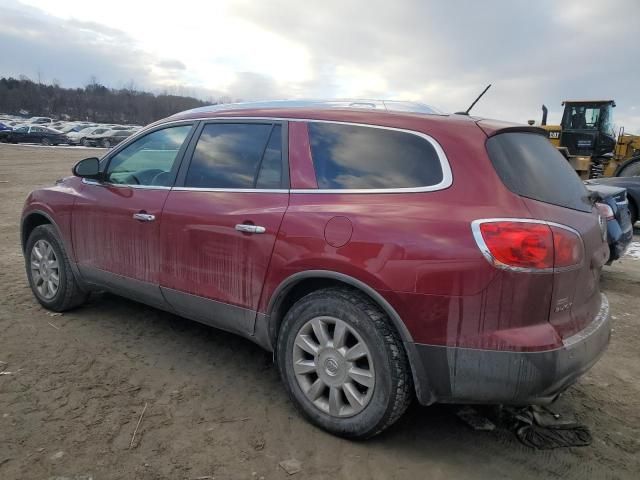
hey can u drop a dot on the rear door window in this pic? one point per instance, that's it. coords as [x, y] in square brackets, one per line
[237, 156]
[530, 166]
[357, 157]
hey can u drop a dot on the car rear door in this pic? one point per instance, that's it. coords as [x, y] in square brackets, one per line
[221, 220]
[116, 222]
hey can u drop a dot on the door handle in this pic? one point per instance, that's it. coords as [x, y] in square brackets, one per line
[144, 217]
[243, 227]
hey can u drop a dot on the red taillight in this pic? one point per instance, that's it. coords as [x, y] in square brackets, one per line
[567, 247]
[527, 245]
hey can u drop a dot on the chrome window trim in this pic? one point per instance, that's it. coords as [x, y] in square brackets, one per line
[447, 176]
[124, 185]
[477, 235]
[236, 190]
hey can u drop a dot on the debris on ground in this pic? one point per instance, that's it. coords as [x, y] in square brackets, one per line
[535, 426]
[133, 437]
[291, 466]
[475, 420]
[57, 455]
[538, 427]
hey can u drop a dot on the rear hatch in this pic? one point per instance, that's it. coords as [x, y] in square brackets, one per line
[532, 168]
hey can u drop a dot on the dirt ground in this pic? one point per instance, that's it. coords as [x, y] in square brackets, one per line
[73, 388]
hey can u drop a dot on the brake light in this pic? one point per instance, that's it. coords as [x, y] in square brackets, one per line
[567, 247]
[525, 245]
[605, 210]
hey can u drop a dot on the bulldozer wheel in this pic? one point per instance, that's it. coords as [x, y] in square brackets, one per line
[630, 168]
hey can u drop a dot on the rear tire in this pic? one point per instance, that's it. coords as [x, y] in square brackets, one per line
[53, 283]
[357, 382]
[45, 141]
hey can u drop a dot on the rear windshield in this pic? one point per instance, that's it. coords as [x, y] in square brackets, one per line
[530, 166]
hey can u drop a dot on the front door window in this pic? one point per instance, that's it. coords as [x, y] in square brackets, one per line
[150, 160]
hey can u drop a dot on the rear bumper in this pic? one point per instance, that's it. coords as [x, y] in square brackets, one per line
[463, 375]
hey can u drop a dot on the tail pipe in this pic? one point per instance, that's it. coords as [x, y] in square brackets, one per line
[544, 115]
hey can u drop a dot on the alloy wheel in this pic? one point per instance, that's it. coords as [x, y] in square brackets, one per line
[45, 269]
[333, 366]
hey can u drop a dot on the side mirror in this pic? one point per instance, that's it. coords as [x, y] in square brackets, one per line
[87, 168]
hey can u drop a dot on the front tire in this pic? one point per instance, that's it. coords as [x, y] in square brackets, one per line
[49, 271]
[343, 363]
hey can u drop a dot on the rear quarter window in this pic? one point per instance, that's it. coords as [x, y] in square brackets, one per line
[531, 167]
[353, 157]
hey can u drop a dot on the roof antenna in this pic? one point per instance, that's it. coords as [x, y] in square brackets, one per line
[474, 102]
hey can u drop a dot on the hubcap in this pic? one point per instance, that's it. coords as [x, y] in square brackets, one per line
[333, 366]
[45, 271]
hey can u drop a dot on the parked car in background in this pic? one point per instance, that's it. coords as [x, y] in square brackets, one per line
[631, 184]
[109, 138]
[39, 120]
[95, 138]
[614, 206]
[70, 127]
[80, 137]
[357, 244]
[4, 126]
[36, 134]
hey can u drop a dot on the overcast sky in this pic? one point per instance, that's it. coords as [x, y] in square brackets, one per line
[439, 52]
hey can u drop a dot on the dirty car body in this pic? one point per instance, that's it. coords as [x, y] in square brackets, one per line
[370, 224]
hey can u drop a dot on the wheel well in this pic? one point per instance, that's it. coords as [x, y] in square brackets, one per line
[32, 221]
[294, 293]
[285, 299]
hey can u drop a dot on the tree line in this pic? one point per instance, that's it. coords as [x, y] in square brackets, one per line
[93, 103]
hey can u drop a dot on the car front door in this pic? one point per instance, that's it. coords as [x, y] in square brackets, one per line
[221, 220]
[20, 134]
[116, 222]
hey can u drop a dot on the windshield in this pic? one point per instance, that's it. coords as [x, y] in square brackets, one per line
[585, 116]
[606, 120]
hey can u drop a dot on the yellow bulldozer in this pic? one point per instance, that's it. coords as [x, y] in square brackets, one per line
[586, 137]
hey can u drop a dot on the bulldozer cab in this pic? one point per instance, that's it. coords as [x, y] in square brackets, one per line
[587, 128]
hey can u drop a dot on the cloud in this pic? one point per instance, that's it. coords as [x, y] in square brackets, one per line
[171, 65]
[71, 51]
[443, 53]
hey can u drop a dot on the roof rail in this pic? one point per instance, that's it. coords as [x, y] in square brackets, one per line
[387, 105]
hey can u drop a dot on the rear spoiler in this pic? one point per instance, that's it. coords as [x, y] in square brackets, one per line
[495, 127]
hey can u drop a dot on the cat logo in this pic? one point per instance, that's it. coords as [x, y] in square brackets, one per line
[554, 135]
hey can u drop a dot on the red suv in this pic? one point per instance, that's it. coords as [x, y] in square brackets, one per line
[379, 254]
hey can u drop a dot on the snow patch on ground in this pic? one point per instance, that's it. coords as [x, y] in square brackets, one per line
[633, 251]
